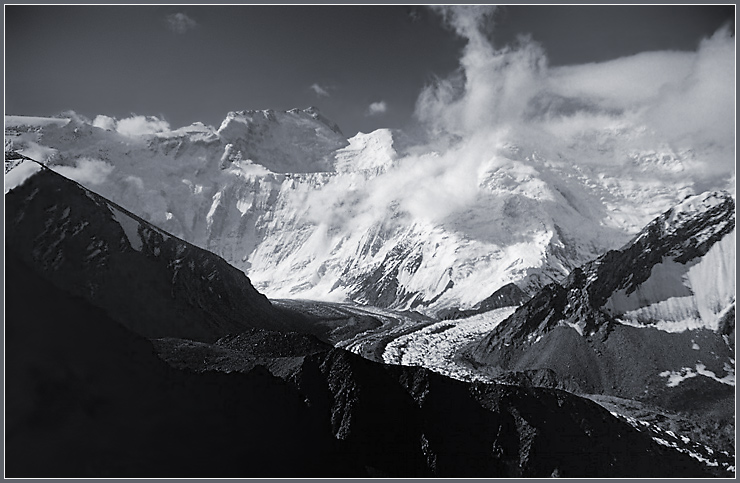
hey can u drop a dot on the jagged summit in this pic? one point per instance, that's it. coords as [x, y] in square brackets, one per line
[678, 218]
[678, 272]
[277, 116]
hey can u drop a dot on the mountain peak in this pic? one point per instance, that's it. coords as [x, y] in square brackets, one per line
[255, 116]
[694, 205]
[294, 141]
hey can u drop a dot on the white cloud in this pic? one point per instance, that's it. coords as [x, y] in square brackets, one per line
[105, 122]
[132, 126]
[180, 22]
[320, 91]
[684, 100]
[87, 171]
[376, 108]
[141, 125]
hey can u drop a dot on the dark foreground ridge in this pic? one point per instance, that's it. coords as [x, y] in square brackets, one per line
[88, 398]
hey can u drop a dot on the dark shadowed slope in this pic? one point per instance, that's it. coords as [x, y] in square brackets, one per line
[153, 283]
[86, 397]
[404, 421]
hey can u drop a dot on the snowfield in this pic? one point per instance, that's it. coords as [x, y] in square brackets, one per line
[677, 377]
[374, 219]
[436, 346]
[19, 174]
[679, 297]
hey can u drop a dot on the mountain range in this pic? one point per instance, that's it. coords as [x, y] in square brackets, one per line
[378, 218]
[137, 262]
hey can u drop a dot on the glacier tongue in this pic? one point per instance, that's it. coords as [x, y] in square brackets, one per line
[309, 214]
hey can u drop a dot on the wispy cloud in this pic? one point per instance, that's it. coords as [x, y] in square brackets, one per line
[320, 91]
[679, 99]
[376, 108]
[86, 171]
[180, 22]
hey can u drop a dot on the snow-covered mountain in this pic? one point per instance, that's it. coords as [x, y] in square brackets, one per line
[309, 214]
[642, 321]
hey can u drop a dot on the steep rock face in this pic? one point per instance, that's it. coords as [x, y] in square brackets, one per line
[592, 329]
[306, 213]
[618, 282]
[97, 250]
[453, 429]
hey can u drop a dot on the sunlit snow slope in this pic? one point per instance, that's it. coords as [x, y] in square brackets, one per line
[309, 214]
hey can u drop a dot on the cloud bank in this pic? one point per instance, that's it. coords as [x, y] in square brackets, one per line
[87, 171]
[680, 100]
[506, 107]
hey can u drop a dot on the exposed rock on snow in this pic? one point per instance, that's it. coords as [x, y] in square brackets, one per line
[649, 321]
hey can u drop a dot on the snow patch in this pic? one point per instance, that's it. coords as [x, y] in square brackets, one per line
[677, 377]
[130, 228]
[577, 326]
[20, 174]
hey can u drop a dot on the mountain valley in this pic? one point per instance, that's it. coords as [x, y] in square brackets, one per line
[272, 299]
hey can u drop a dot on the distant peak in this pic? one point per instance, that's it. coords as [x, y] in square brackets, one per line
[250, 116]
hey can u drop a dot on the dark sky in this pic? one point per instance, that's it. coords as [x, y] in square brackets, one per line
[119, 60]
